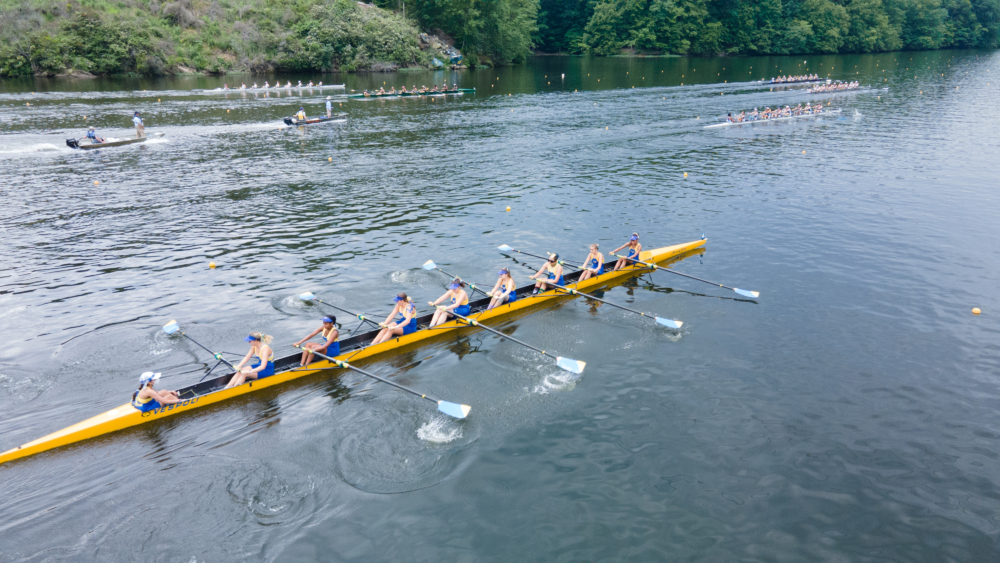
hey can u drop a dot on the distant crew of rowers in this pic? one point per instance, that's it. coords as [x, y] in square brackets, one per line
[835, 87]
[792, 79]
[258, 363]
[267, 86]
[422, 90]
[768, 113]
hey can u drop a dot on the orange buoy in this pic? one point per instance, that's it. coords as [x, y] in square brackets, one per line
[976, 311]
[211, 265]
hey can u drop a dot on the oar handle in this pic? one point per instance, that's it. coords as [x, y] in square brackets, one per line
[345, 365]
[561, 262]
[475, 323]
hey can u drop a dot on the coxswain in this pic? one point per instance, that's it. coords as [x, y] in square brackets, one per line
[329, 107]
[553, 271]
[329, 347]
[405, 323]
[145, 398]
[593, 265]
[301, 116]
[459, 304]
[634, 248]
[505, 291]
[259, 349]
[366, 94]
[92, 135]
[140, 129]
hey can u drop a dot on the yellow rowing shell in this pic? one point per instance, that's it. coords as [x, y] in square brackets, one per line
[353, 349]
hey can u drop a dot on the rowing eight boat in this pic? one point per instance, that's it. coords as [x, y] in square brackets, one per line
[271, 89]
[729, 123]
[409, 94]
[352, 349]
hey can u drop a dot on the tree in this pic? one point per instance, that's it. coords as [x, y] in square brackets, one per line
[870, 30]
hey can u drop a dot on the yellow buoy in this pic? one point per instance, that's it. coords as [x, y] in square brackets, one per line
[803, 152]
[27, 104]
[976, 311]
[685, 174]
[330, 159]
[227, 111]
[605, 128]
[157, 99]
[508, 208]
[211, 265]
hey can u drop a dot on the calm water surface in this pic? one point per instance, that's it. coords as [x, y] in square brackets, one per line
[848, 415]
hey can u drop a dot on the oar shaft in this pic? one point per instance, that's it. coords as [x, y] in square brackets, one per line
[561, 262]
[343, 364]
[475, 323]
[472, 285]
[360, 317]
[655, 267]
[217, 356]
[589, 296]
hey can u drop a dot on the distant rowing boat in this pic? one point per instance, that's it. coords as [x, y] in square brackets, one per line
[409, 94]
[790, 117]
[87, 144]
[271, 89]
[352, 349]
[290, 121]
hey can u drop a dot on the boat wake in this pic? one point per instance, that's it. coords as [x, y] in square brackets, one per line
[439, 430]
[40, 147]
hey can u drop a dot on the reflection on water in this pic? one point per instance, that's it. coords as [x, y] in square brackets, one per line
[848, 411]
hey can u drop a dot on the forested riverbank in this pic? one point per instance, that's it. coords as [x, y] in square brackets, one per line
[150, 37]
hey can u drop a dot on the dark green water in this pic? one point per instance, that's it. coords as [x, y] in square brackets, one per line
[848, 415]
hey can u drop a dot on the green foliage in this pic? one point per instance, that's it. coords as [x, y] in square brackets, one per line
[503, 30]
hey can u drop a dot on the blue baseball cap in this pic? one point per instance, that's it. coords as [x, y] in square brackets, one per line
[503, 271]
[250, 338]
[635, 236]
[327, 320]
[455, 286]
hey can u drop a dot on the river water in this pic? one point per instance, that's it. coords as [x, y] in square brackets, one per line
[849, 414]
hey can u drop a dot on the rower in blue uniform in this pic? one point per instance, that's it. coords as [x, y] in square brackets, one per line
[146, 398]
[259, 350]
[553, 271]
[92, 135]
[329, 346]
[405, 323]
[459, 303]
[505, 290]
[594, 263]
[634, 248]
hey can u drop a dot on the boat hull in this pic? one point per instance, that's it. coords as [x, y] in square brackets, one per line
[291, 121]
[460, 91]
[352, 349]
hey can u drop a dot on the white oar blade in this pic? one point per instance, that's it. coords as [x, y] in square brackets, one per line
[747, 293]
[429, 265]
[669, 323]
[171, 327]
[571, 365]
[307, 296]
[454, 410]
[504, 248]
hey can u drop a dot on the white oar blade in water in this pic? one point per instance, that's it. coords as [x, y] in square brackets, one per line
[747, 293]
[574, 366]
[429, 265]
[669, 323]
[454, 410]
[171, 327]
[307, 296]
[504, 248]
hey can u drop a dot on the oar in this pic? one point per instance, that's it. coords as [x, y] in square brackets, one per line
[568, 364]
[505, 248]
[670, 323]
[451, 409]
[430, 265]
[743, 292]
[308, 297]
[172, 327]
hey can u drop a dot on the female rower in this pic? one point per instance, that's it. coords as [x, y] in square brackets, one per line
[634, 248]
[594, 264]
[146, 398]
[459, 303]
[329, 346]
[505, 289]
[406, 323]
[259, 349]
[553, 271]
